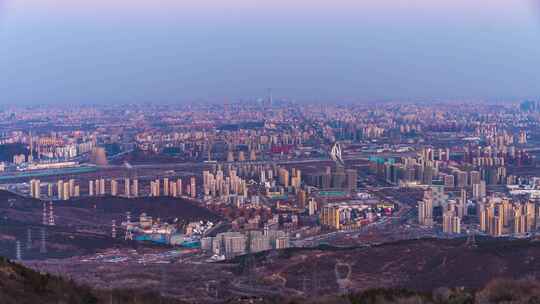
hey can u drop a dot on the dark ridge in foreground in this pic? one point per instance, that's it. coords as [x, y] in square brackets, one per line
[497, 291]
[20, 285]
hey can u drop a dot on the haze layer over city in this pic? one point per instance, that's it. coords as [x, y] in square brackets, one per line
[269, 151]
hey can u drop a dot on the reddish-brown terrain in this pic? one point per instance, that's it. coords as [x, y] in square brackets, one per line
[82, 226]
[422, 265]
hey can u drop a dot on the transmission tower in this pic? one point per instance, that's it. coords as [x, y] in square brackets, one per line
[249, 261]
[113, 229]
[28, 238]
[471, 239]
[51, 214]
[45, 218]
[18, 250]
[43, 245]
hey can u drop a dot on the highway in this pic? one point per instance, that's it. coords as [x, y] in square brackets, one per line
[259, 162]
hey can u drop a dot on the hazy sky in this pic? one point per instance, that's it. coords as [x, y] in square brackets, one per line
[118, 51]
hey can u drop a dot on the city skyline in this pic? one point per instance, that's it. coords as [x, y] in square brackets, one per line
[256, 151]
[206, 204]
[189, 51]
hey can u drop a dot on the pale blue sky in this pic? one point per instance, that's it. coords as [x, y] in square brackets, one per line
[96, 52]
